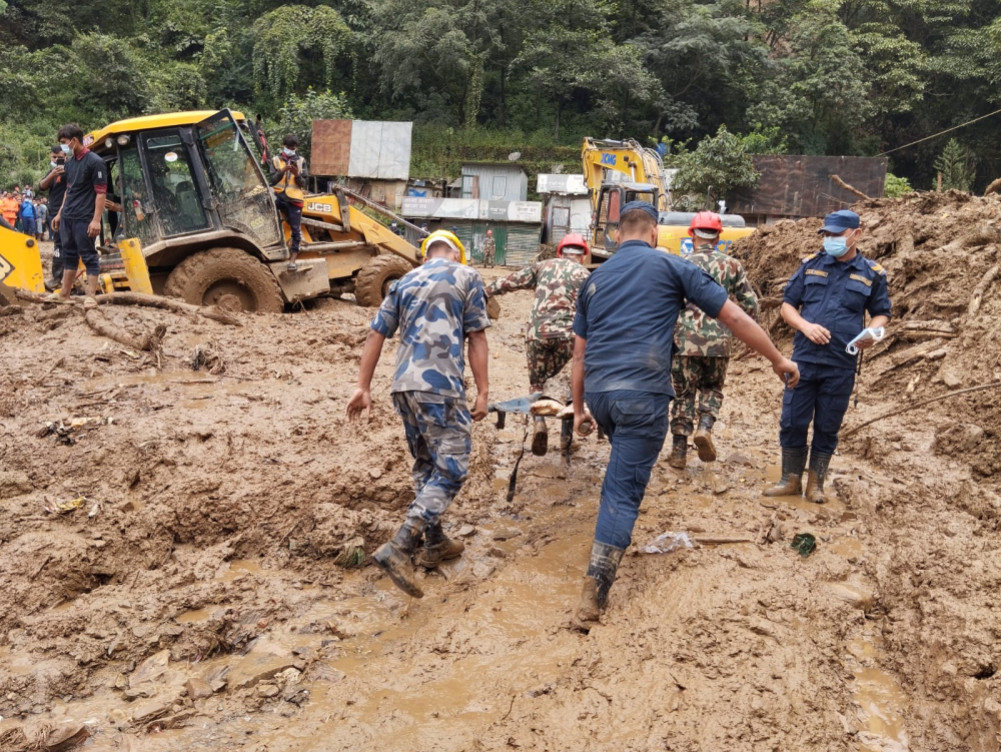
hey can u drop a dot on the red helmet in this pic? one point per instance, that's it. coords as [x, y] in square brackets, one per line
[706, 220]
[573, 243]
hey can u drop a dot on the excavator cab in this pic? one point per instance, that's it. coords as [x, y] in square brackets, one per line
[611, 198]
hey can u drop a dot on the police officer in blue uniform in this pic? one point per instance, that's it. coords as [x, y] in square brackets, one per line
[825, 301]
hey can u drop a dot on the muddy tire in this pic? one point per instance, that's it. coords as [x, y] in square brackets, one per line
[372, 282]
[226, 277]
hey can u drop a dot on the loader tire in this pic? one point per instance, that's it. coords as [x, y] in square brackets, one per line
[373, 280]
[226, 277]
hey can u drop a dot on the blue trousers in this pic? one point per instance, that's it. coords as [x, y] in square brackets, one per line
[636, 425]
[821, 397]
[293, 215]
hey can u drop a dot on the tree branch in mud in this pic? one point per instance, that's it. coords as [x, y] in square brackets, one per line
[850, 188]
[980, 289]
[149, 301]
[916, 405]
[151, 342]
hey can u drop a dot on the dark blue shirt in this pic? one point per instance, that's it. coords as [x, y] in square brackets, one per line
[86, 176]
[627, 312]
[836, 295]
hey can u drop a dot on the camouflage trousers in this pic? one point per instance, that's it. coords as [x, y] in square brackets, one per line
[546, 358]
[698, 390]
[439, 434]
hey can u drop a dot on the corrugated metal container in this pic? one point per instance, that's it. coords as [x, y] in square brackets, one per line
[495, 182]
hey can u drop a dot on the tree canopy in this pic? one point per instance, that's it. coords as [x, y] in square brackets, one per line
[851, 77]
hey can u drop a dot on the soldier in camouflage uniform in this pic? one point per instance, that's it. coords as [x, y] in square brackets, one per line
[489, 246]
[436, 307]
[549, 335]
[703, 346]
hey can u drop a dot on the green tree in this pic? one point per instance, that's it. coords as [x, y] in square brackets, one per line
[298, 113]
[895, 187]
[716, 166]
[295, 47]
[569, 59]
[955, 165]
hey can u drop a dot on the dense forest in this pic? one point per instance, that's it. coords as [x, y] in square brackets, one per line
[850, 77]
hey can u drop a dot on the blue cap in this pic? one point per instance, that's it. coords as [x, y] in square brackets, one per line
[839, 221]
[641, 205]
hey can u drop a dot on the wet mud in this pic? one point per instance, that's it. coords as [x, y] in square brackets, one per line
[187, 569]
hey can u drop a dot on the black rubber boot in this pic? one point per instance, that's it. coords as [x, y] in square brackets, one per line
[394, 557]
[597, 582]
[540, 436]
[791, 482]
[815, 476]
[704, 440]
[438, 547]
[679, 452]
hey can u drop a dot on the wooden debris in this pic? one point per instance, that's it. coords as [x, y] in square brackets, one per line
[980, 289]
[850, 188]
[916, 405]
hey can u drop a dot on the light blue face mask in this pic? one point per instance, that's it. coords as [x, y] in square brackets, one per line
[65, 148]
[836, 246]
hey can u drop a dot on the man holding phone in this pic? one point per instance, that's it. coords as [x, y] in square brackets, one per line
[55, 184]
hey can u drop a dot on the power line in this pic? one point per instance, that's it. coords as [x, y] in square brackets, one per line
[940, 133]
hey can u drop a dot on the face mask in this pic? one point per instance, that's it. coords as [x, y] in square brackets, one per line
[65, 148]
[289, 152]
[836, 246]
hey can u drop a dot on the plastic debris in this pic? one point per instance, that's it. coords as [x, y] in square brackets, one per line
[804, 544]
[62, 507]
[866, 335]
[667, 542]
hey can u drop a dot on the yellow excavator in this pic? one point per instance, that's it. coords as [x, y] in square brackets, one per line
[617, 172]
[198, 222]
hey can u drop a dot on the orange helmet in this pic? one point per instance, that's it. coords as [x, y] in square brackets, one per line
[573, 243]
[707, 221]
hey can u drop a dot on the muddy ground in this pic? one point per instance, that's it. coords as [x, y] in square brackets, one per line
[207, 587]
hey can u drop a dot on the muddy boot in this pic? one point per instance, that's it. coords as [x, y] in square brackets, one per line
[540, 436]
[394, 558]
[791, 482]
[704, 440]
[597, 582]
[438, 547]
[678, 451]
[815, 476]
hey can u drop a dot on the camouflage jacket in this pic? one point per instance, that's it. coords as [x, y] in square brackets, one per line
[699, 335]
[557, 283]
[434, 306]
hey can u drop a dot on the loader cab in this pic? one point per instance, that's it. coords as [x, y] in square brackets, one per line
[611, 199]
[187, 183]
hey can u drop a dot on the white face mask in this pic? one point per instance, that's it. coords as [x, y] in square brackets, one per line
[65, 147]
[289, 152]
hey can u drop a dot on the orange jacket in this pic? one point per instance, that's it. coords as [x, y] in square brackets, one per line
[8, 207]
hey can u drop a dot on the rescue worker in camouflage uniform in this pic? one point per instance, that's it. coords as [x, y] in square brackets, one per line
[825, 302]
[489, 246]
[549, 335]
[702, 345]
[437, 308]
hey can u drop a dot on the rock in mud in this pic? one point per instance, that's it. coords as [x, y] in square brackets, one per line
[13, 483]
[198, 688]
